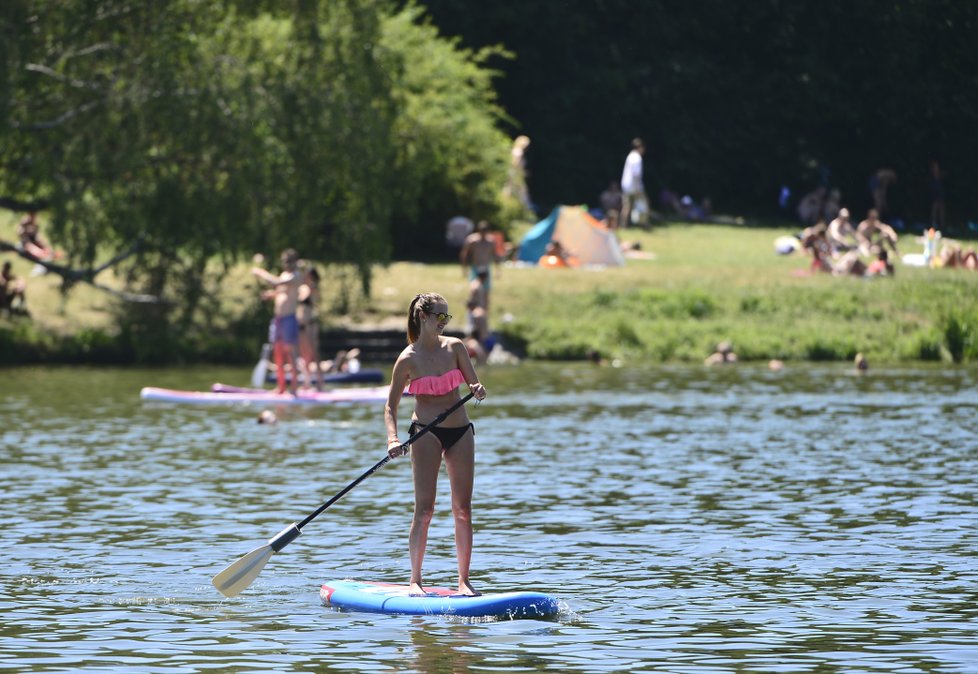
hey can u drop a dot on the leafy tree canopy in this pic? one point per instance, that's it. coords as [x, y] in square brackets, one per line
[211, 130]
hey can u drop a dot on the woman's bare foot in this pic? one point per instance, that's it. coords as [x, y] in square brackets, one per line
[467, 589]
[416, 590]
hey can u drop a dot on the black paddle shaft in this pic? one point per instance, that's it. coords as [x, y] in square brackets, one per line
[292, 533]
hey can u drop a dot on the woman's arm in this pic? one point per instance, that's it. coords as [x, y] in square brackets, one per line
[464, 364]
[399, 379]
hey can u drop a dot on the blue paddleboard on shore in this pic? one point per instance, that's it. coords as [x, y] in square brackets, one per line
[373, 597]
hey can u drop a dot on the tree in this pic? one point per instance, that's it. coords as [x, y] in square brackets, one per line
[209, 131]
[735, 99]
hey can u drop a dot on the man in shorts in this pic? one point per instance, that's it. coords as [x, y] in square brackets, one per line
[283, 332]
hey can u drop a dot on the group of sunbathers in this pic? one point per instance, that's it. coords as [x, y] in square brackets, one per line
[839, 247]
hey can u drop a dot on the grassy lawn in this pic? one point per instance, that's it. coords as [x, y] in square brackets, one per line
[704, 284]
[709, 283]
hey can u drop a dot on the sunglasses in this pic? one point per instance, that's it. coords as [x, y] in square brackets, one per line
[441, 316]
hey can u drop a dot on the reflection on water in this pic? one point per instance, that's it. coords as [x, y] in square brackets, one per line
[689, 519]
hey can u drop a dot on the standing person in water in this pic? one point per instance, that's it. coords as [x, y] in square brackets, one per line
[433, 366]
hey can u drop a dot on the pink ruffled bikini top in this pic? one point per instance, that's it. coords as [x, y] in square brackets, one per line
[437, 385]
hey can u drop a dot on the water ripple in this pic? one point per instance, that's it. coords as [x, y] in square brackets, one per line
[689, 520]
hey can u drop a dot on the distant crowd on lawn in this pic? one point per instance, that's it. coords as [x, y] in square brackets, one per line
[837, 245]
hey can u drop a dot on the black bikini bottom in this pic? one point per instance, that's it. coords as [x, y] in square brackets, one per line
[447, 436]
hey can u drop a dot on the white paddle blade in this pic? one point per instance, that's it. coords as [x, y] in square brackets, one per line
[239, 575]
[261, 368]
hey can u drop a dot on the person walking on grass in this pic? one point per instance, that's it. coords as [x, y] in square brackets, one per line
[478, 254]
[634, 203]
[432, 367]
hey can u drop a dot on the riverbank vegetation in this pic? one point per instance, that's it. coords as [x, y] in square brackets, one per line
[177, 136]
[164, 143]
[700, 285]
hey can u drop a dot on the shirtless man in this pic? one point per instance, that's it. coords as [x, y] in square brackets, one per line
[478, 254]
[873, 234]
[842, 235]
[284, 329]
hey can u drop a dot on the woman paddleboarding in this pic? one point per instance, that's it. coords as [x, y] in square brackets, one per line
[432, 367]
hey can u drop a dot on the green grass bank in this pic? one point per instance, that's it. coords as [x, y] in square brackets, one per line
[701, 284]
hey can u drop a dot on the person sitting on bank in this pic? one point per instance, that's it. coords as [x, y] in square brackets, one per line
[824, 258]
[611, 199]
[952, 255]
[815, 241]
[873, 235]
[344, 361]
[848, 264]
[12, 291]
[881, 266]
[842, 234]
[31, 241]
[555, 255]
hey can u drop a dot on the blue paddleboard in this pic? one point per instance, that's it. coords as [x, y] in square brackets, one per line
[372, 597]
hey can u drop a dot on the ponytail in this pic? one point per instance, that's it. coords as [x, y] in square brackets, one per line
[414, 322]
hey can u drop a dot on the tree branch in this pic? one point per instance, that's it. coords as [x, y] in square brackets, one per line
[58, 121]
[91, 49]
[19, 206]
[51, 72]
[72, 275]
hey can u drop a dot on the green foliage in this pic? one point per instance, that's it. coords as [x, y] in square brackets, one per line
[925, 346]
[450, 153]
[960, 335]
[213, 130]
[652, 303]
[735, 99]
[23, 341]
[625, 334]
[19, 341]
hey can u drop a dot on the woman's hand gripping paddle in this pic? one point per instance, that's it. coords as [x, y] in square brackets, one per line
[242, 573]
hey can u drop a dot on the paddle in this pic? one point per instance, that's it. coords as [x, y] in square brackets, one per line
[242, 573]
[261, 368]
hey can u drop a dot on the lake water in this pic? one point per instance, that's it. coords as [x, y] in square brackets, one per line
[688, 519]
